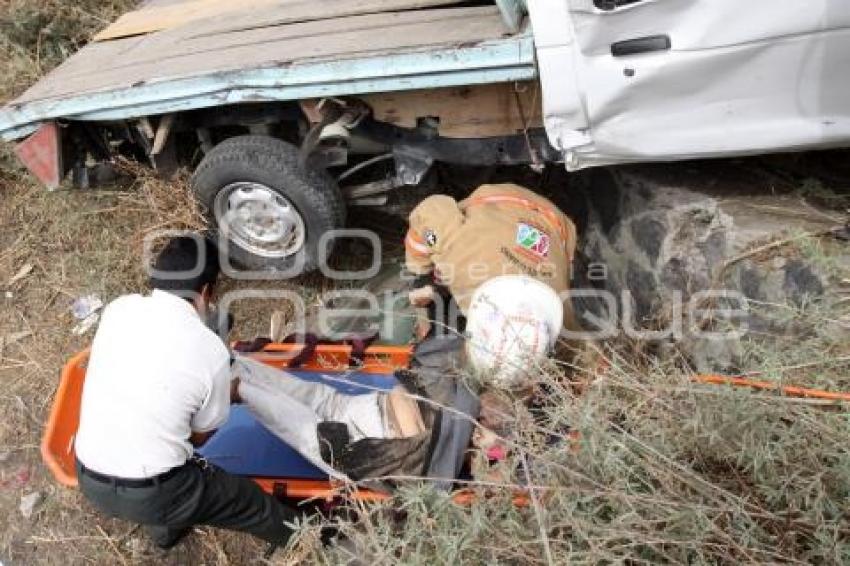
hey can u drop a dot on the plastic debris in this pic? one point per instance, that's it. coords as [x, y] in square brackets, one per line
[85, 306]
[85, 325]
[29, 503]
[85, 310]
[497, 453]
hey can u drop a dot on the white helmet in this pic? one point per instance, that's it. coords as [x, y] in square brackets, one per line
[513, 322]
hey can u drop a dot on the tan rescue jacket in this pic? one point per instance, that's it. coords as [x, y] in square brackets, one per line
[498, 230]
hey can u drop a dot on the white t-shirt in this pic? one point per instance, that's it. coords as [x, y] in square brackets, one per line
[156, 374]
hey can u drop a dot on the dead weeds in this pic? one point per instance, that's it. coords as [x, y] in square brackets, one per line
[35, 36]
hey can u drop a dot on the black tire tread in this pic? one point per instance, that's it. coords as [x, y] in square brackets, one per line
[290, 158]
[281, 160]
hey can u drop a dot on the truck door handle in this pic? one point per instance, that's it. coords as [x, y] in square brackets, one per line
[609, 5]
[640, 45]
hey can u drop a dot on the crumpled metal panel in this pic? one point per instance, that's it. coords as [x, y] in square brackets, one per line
[739, 78]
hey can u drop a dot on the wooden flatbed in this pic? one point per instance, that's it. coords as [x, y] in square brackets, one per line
[176, 55]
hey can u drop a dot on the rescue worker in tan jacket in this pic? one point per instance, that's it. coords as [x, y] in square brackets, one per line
[498, 230]
[503, 232]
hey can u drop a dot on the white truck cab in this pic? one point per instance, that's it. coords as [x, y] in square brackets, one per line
[659, 80]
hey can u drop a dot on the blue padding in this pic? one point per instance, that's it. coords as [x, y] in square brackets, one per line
[245, 447]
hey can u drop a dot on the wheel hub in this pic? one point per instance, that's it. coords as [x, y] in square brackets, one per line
[259, 220]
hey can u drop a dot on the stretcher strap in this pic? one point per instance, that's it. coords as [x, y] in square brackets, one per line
[311, 341]
[789, 390]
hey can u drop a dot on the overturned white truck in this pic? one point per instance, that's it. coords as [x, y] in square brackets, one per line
[290, 110]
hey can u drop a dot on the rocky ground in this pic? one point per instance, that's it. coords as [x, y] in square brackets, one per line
[770, 240]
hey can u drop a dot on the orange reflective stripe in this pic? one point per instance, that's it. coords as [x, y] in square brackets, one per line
[415, 245]
[414, 236]
[527, 204]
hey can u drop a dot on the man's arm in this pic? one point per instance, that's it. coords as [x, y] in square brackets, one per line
[198, 438]
[215, 408]
[421, 238]
[418, 262]
[235, 398]
[417, 254]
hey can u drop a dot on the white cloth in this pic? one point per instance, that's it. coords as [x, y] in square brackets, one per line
[155, 375]
[291, 408]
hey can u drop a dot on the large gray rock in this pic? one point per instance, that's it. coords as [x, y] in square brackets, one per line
[658, 232]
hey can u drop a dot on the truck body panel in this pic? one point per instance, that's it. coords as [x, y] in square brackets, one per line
[186, 68]
[618, 80]
[652, 80]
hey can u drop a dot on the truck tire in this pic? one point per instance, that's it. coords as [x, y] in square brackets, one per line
[272, 209]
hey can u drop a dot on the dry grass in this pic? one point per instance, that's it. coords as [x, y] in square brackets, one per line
[35, 36]
[665, 471]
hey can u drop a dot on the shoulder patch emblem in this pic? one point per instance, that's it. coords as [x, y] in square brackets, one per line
[430, 237]
[533, 239]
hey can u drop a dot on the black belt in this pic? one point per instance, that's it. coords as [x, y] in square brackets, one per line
[130, 482]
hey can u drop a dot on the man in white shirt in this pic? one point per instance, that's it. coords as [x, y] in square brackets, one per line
[157, 385]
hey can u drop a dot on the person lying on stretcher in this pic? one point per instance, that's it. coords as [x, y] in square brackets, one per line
[425, 425]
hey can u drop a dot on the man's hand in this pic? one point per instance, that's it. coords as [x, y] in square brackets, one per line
[421, 329]
[198, 439]
[495, 411]
[234, 391]
[421, 297]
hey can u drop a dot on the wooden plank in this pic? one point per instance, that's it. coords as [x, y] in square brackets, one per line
[305, 11]
[472, 24]
[504, 60]
[218, 16]
[157, 17]
[136, 61]
[463, 112]
[186, 42]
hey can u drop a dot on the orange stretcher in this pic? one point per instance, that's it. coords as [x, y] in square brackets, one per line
[57, 446]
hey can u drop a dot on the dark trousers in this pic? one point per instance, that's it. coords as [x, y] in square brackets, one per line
[198, 494]
[444, 314]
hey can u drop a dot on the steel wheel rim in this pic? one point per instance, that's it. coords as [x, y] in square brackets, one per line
[259, 220]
